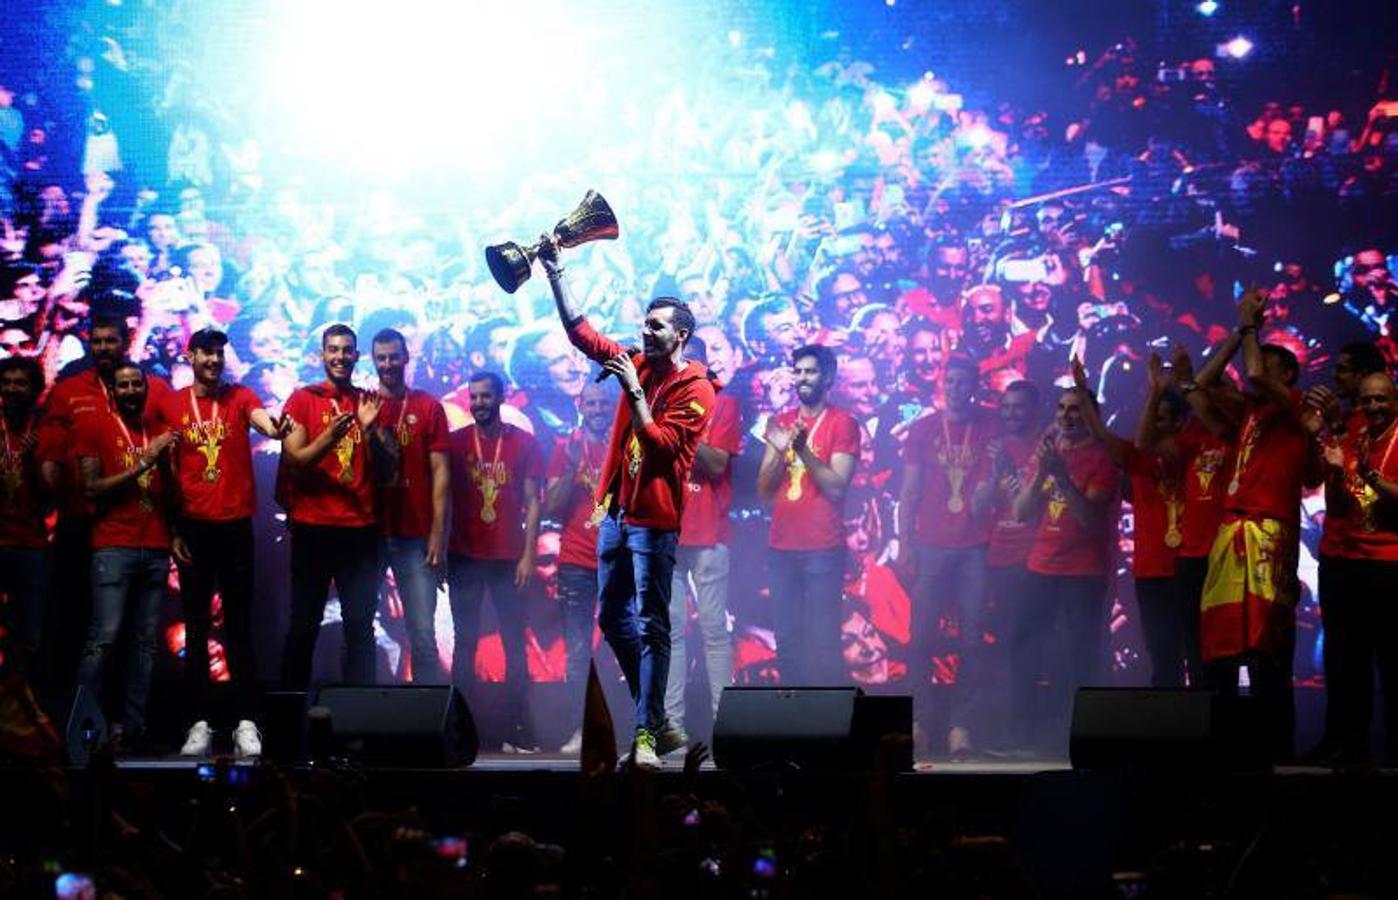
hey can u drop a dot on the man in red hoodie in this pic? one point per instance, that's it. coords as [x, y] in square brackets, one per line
[666, 404]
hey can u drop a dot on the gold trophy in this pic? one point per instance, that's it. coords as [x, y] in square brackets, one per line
[593, 220]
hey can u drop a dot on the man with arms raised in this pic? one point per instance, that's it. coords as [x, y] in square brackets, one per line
[667, 404]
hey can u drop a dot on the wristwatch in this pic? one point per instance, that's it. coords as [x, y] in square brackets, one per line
[1188, 387]
[637, 393]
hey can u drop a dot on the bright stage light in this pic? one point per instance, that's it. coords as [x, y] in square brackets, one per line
[921, 94]
[1236, 48]
[1207, 7]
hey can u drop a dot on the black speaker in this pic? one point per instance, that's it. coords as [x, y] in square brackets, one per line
[835, 728]
[1165, 728]
[283, 718]
[401, 725]
[78, 717]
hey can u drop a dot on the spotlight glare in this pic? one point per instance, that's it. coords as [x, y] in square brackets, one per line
[884, 103]
[920, 95]
[1207, 7]
[1236, 48]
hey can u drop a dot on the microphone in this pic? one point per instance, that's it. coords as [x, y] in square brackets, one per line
[602, 375]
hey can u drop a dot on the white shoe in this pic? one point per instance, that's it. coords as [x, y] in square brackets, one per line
[572, 746]
[643, 755]
[196, 743]
[247, 740]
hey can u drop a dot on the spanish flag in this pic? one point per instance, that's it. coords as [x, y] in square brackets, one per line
[1250, 594]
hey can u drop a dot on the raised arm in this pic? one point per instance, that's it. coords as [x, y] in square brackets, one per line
[1092, 418]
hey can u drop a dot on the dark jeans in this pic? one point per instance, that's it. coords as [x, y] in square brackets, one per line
[949, 581]
[417, 591]
[468, 581]
[222, 560]
[807, 587]
[321, 554]
[24, 576]
[1170, 626]
[128, 589]
[1269, 684]
[71, 613]
[577, 595]
[1334, 584]
[1363, 631]
[634, 570]
[1060, 631]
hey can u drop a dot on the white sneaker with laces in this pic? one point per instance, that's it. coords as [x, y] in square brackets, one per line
[196, 743]
[643, 754]
[572, 746]
[247, 740]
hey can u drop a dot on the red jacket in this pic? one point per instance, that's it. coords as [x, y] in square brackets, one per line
[680, 405]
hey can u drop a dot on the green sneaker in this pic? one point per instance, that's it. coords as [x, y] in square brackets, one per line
[643, 754]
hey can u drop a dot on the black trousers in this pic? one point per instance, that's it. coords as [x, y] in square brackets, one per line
[1333, 581]
[468, 582]
[1361, 632]
[1170, 626]
[348, 557]
[67, 621]
[222, 561]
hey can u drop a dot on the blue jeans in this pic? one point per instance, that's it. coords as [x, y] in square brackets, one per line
[24, 575]
[128, 589]
[947, 578]
[577, 595]
[417, 589]
[634, 568]
[707, 567]
[807, 590]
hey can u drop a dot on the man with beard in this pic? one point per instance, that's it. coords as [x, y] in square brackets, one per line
[805, 472]
[1070, 496]
[702, 558]
[573, 471]
[495, 474]
[213, 478]
[917, 391]
[943, 526]
[83, 394]
[24, 558]
[125, 472]
[641, 492]
[986, 332]
[326, 487]
[412, 498]
[1364, 466]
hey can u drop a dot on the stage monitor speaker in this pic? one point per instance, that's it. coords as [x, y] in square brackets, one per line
[401, 725]
[78, 718]
[834, 728]
[1165, 728]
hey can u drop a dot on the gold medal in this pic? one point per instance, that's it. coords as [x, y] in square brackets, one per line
[211, 475]
[1233, 487]
[633, 456]
[955, 503]
[487, 514]
[1173, 538]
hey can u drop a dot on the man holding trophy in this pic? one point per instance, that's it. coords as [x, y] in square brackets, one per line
[666, 404]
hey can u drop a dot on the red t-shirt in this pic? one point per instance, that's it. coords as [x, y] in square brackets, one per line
[1157, 508]
[214, 456]
[133, 516]
[577, 545]
[1208, 464]
[70, 401]
[955, 459]
[1270, 464]
[338, 490]
[1374, 534]
[1063, 545]
[1336, 536]
[490, 528]
[419, 423]
[1011, 539]
[802, 517]
[21, 513]
[705, 520]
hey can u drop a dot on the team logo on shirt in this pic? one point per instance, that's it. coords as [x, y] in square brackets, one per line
[1206, 465]
[130, 459]
[1056, 502]
[207, 438]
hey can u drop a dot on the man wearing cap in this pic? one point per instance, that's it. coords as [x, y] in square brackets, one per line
[213, 469]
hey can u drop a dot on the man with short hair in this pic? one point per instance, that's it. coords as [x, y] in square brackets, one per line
[495, 474]
[412, 498]
[573, 471]
[212, 465]
[943, 526]
[805, 472]
[125, 469]
[24, 557]
[641, 492]
[325, 484]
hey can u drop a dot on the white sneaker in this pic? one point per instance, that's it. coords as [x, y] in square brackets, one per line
[196, 743]
[643, 755]
[247, 740]
[572, 746]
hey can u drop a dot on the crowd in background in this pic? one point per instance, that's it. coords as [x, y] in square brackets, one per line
[896, 223]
